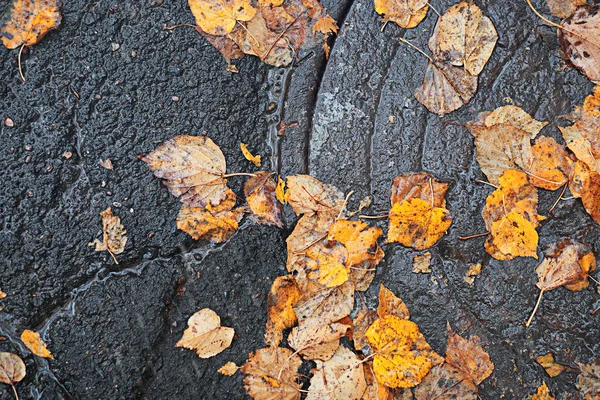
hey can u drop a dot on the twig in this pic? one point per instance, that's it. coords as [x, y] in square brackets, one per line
[535, 308]
[486, 183]
[373, 216]
[238, 174]
[383, 26]
[474, 236]
[416, 48]
[558, 200]
[20, 69]
[179, 26]
[113, 256]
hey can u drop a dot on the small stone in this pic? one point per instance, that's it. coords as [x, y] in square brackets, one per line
[9, 122]
[106, 164]
[28, 147]
[67, 154]
[115, 46]
[175, 99]
[133, 53]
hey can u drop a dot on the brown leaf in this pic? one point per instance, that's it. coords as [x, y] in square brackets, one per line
[27, 21]
[113, 235]
[34, 342]
[311, 230]
[406, 13]
[422, 263]
[205, 334]
[219, 17]
[256, 160]
[564, 8]
[192, 167]
[590, 196]
[262, 201]
[550, 164]
[314, 340]
[588, 381]
[512, 115]
[106, 164]
[390, 304]
[580, 41]
[445, 382]
[12, 370]
[547, 362]
[363, 320]
[328, 304]
[308, 195]
[228, 369]
[283, 296]
[340, 378]
[566, 263]
[543, 393]
[271, 374]
[420, 185]
[468, 357]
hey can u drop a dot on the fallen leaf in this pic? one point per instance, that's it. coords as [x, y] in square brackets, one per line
[550, 164]
[271, 374]
[419, 185]
[580, 174]
[390, 304]
[474, 270]
[2, 295]
[590, 196]
[375, 390]
[340, 378]
[12, 370]
[113, 235]
[256, 160]
[468, 357]
[326, 264]
[584, 258]
[445, 382]
[564, 8]
[311, 229]
[34, 343]
[262, 201]
[588, 381]
[406, 13]
[328, 304]
[363, 320]
[547, 362]
[512, 236]
[205, 335]
[543, 393]
[308, 195]
[214, 223]
[27, 21]
[515, 116]
[415, 223]
[219, 17]
[280, 191]
[192, 167]
[326, 25]
[314, 340]
[579, 38]
[283, 296]
[464, 37]
[106, 164]
[422, 263]
[402, 356]
[226, 46]
[228, 369]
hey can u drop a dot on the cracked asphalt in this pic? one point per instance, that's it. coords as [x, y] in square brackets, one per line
[113, 83]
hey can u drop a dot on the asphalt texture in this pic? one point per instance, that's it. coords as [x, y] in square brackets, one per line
[112, 82]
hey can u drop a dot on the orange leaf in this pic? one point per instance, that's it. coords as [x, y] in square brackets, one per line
[543, 393]
[34, 343]
[260, 195]
[283, 296]
[256, 160]
[406, 13]
[228, 369]
[28, 21]
[512, 236]
[390, 304]
[219, 17]
[547, 362]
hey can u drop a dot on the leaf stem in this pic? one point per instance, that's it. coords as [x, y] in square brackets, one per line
[15, 391]
[373, 216]
[535, 308]
[559, 199]
[179, 26]
[474, 236]
[546, 20]
[19, 63]
[416, 48]
[238, 174]
[486, 183]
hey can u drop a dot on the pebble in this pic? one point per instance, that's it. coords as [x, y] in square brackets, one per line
[175, 99]
[115, 46]
[28, 147]
[9, 122]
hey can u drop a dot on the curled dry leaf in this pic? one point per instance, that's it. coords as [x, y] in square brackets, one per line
[406, 13]
[566, 264]
[314, 340]
[308, 195]
[390, 304]
[214, 223]
[256, 160]
[228, 369]
[340, 378]
[205, 335]
[419, 185]
[415, 223]
[262, 201]
[34, 342]
[445, 382]
[580, 40]
[564, 8]
[192, 167]
[219, 17]
[402, 356]
[588, 381]
[363, 320]
[468, 357]
[328, 304]
[113, 235]
[27, 21]
[422, 263]
[512, 236]
[12, 370]
[271, 374]
[547, 362]
[543, 393]
[283, 296]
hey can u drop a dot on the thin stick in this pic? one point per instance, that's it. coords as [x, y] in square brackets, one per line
[474, 236]
[15, 391]
[344, 205]
[568, 198]
[179, 26]
[19, 62]
[592, 278]
[416, 48]
[383, 26]
[238, 174]
[373, 216]
[434, 10]
[486, 183]
[535, 308]
[558, 200]
[279, 37]
[113, 257]
[363, 269]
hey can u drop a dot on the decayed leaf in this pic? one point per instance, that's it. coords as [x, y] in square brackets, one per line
[34, 342]
[512, 236]
[375, 390]
[474, 271]
[260, 195]
[256, 160]
[543, 393]
[228, 369]
[340, 378]
[564, 8]
[445, 88]
[214, 223]
[464, 37]
[468, 357]
[205, 335]
[311, 229]
[580, 174]
[588, 381]
[422, 264]
[113, 235]
[402, 356]
[550, 164]
[328, 304]
[12, 370]
[390, 304]
[590, 196]
[314, 340]
[363, 320]
[219, 17]
[227, 47]
[192, 167]
[271, 374]
[283, 296]
[406, 13]
[580, 40]
[514, 116]
[307, 195]
[419, 185]
[445, 382]
[415, 223]
[27, 21]
[547, 362]
[280, 191]
[326, 263]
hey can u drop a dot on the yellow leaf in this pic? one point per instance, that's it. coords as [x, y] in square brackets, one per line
[256, 160]
[547, 362]
[415, 223]
[228, 369]
[340, 378]
[29, 21]
[327, 264]
[205, 335]
[34, 343]
[260, 196]
[280, 191]
[512, 236]
[390, 304]
[283, 296]
[543, 393]
[406, 13]
[402, 356]
[113, 235]
[271, 374]
[219, 17]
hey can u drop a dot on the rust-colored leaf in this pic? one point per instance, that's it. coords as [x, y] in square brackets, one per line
[580, 40]
[468, 357]
[34, 342]
[205, 335]
[113, 235]
[262, 201]
[271, 374]
[283, 296]
[27, 21]
[419, 185]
